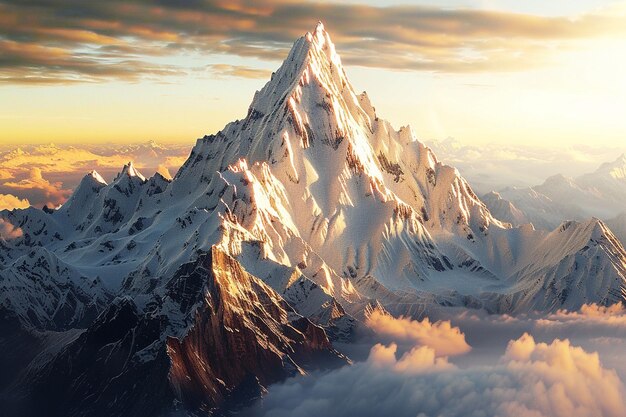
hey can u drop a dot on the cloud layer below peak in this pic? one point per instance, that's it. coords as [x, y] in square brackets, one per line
[531, 380]
[528, 378]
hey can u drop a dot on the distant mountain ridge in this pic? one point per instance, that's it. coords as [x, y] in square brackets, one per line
[600, 194]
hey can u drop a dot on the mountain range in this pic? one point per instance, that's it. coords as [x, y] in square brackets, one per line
[273, 242]
[600, 194]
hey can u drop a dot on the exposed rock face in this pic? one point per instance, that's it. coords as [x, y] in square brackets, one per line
[97, 372]
[243, 336]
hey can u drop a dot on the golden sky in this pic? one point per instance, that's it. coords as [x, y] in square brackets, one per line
[532, 72]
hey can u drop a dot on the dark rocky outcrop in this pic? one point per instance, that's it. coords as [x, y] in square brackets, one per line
[240, 337]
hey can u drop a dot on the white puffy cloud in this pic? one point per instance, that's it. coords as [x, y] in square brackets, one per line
[531, 380]
[441, 336]
[595, 328]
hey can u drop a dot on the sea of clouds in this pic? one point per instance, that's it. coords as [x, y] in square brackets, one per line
[41, 175]
[470, 364]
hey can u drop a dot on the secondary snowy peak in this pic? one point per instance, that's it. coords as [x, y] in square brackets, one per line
[96, 207]
[577, 263]
[129, 171]
[95, 177]
[504, 209]
[557, 183]
[579, 234]
[615, 170]
[157, 184]
[89, 186]
[91, 183]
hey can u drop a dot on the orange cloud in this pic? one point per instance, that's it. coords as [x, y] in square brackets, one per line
[530, 380]
[415, 361]
[46, 174]
[5, 174]
[65, 159]
[39, 188]
[440, 336]
[239, 71]
[10, 202]
[589, 315]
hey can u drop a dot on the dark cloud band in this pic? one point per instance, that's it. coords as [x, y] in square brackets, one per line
[68, 40]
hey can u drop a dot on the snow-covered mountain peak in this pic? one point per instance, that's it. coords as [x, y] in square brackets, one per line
[95, 176]
[339, 163]
[130, 171]
[93, 180]
[160, 177]
[320, 40]
[602, 232]
[586, 233]
[311, 56]
[307, 119]
[87, 189]
[493, 195]
[311, 78]
[319, 28]
[615, 169]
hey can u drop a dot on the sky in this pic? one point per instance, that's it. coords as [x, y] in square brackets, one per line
[539, 73]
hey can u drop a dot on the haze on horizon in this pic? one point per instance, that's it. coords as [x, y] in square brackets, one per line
[520, 73]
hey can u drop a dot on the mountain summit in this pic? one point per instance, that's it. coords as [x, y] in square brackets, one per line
[264, 251]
